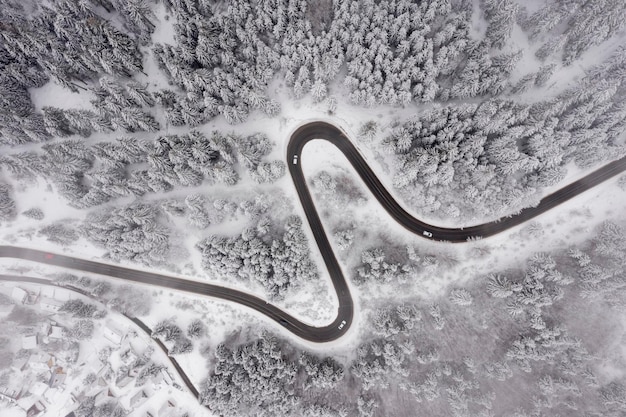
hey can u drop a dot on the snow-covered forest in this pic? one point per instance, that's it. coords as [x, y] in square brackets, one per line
[153, 133]
[513, 343]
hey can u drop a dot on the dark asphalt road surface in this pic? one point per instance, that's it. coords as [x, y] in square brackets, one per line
[304, 134]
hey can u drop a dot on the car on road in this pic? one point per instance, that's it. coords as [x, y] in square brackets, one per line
[427, 233]
[49, 256]
[343, 323]
[295, 159]
[283, 322]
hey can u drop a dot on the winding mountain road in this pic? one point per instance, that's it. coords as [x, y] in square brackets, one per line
[334, 330]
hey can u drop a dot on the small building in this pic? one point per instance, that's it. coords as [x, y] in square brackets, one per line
[19, 365]
[56, 332]
[167, 407]
[45, 328]
[113, 334]
[53, 395]
[157, 381]
[9, 394]
[19, 295]
[104, 376]
[62, 294]
[103, 396]
[32, 295]
[50, 305]
[47, 291]
[57, 378]
[29, 341]
[77, 396]
[139, 398]
[167, 378]
[138, 346]
[133, 372]
[127, 355]
[124, 381]
[38, 388]
[41, 362]
[34, 410]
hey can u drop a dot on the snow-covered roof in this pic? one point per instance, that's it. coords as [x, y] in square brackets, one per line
[140, 397]
[56, 332]
[53, 395]
[38, 388]
[29, 341]
[167, 407]
[19, 294]
[62, 294]
[167, 377]
[45, 328]
[104, 395]
[47, 291]
[112, 333]
[20, 364]
[57, 378]
[50, 304]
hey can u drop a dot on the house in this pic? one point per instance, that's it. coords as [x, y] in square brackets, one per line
[77, 396]
[10, 394]
[139, 398]
[19, 365]
[35, 409]
[167, 378]
[103, 396]
[29, 341]
[56, 332]
[104, 376]
[38, 388]
[41, 362]
[138, 346]
[167, 407]
[62, 294]
[127, 355]
[112, 334]
[45, 328]
[57, 378]
[157, 381]
[47, 291]
[53, 395]
[133, 372]
[32, 295]
[50, 305]
[123, 381]
[19, 295]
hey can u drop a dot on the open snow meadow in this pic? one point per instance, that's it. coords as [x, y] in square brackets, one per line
[316, 208]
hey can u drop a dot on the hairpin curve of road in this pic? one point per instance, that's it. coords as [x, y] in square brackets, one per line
[302, 135]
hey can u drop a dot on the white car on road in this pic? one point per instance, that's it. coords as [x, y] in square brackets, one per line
[295, 159]
[427, 233]
[343, 323]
